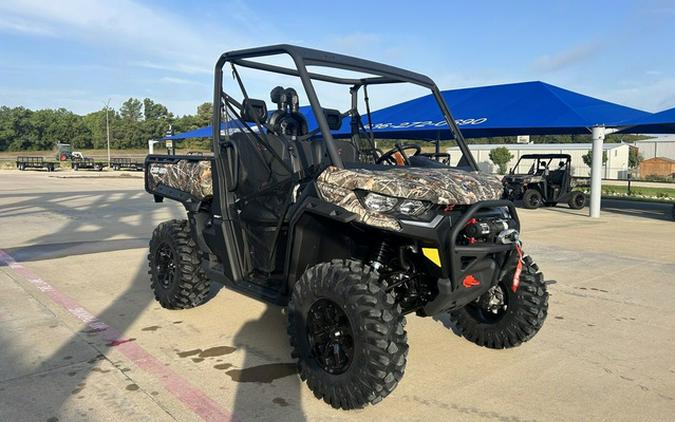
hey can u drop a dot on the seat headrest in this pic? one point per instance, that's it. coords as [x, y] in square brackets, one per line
[285, 98]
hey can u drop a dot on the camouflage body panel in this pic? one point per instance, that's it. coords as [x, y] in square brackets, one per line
[191, 176]
[442, 186]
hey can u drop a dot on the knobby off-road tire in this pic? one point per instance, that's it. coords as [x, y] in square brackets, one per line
[532, 199]
[176, 277]
[577, 200]
[379, 339]
[524, 316]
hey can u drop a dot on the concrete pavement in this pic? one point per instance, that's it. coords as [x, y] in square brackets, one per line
[81, 337]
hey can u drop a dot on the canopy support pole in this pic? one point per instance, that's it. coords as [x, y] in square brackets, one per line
[596, 170]
[151, 146]
[599, 133]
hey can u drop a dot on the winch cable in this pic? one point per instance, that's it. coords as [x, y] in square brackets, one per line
[519, 267]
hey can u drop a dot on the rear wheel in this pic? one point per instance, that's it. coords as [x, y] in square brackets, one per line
[532, 199]
[577, 200]
[502, 318]
[176, 277]
[347, 333]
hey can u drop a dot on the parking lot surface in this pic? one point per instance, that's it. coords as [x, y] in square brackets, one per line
[81, 337]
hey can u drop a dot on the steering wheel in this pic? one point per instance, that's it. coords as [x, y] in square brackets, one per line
[390, 156]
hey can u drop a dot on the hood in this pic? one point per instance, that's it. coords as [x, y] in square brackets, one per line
[443, 186]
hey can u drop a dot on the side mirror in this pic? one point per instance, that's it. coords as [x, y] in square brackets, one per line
[252, 110]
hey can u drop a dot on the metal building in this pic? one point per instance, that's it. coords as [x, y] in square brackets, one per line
[657, 147]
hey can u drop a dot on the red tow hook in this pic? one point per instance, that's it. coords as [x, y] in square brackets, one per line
[519, 268]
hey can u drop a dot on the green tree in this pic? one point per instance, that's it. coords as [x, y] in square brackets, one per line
[634, 158]
[131, 110]
[130, 125]
[588, 158]
[204, 113]
[155, 111]
[501, 157]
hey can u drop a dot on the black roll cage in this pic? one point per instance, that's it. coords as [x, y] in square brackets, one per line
[542, 157]
[303, 57]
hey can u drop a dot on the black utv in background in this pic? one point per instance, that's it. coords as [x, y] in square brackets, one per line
[351, 239]
[543, 180]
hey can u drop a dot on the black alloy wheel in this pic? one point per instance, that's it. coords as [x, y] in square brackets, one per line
[330, 336]
[165, 266]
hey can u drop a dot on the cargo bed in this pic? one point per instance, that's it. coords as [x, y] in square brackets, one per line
[185, 178]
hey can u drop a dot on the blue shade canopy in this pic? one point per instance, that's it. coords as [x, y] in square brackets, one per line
[206, 132]
[202, 132]
[527, 108]
[662, 122]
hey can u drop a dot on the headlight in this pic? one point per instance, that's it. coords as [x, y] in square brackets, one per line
[379, 203]
[413, 207]
[376, 202]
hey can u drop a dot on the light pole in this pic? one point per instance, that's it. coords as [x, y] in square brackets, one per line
[107, 128]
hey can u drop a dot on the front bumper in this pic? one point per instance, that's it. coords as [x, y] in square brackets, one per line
[468, 271]
[514, 191]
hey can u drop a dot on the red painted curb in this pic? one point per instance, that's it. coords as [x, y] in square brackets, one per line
[195, 399]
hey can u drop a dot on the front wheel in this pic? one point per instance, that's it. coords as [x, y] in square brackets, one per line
[532, 199]
[502, 318]
[176, 277]
[347, 333]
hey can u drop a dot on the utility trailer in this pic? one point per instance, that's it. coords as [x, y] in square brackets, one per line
[24, 162]
[87, 163]
[120, 163]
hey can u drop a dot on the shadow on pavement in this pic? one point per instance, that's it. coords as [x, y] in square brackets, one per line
[60, 379]
[119, 213]
[265, 340]
[653, 210]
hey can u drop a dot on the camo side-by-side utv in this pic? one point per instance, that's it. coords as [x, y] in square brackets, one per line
[541, 184]
[351, 239]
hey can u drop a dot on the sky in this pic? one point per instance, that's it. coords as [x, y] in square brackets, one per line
[79, 54]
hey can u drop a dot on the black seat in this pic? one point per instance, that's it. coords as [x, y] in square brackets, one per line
[556, 177]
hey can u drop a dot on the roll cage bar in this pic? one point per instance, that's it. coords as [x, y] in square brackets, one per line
[303, 57]
[540, 158]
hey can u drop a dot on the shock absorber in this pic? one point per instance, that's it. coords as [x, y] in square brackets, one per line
[383, 255]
